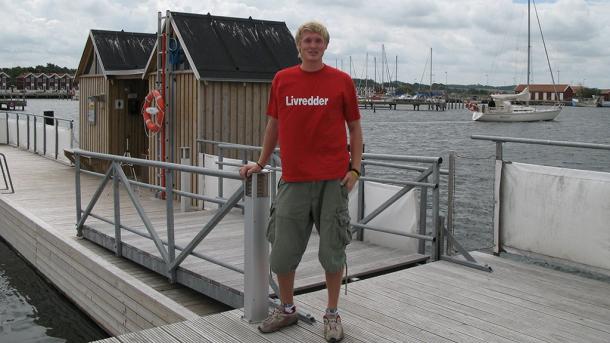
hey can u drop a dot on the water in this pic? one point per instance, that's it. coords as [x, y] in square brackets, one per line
[33, 311]
[36, 312]
[433, 133]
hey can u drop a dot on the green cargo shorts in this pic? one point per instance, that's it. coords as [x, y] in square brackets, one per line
[297, 207]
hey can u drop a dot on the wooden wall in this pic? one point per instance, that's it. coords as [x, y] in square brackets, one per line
[93, 136]
[233, 112]
[185, 89]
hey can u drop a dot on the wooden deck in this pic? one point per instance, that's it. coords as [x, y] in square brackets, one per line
[436, 302]
[39, 221]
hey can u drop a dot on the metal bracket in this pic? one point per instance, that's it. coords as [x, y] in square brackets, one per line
[470, 261]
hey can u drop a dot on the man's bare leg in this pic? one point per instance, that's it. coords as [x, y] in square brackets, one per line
[333, 284]
[286, 283]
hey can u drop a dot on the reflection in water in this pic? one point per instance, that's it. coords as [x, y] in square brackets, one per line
[33, 311]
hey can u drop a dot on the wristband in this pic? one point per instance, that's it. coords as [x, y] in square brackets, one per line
[355, 171]
[260, 165]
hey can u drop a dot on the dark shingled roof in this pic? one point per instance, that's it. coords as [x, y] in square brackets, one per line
[122, 51]
[235, 48]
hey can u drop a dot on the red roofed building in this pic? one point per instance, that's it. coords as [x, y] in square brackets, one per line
[546, 92]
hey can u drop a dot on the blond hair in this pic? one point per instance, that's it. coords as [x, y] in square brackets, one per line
[312, 26]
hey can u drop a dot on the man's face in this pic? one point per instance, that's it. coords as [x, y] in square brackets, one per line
[312, 47]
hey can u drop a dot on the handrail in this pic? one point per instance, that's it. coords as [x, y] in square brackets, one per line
[159, 164]
[431, 168]
[34, 128]
[167, 247]
[499, 139]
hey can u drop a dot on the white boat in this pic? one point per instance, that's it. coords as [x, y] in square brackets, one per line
[504, 110]
[587, 102]
[605, 103]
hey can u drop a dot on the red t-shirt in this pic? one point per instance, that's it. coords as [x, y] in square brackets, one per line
[312, 109]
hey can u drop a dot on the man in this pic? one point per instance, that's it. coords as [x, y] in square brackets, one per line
[309, 107]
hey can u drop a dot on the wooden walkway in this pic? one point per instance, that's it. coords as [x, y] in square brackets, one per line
[39, 221]
[436, 302]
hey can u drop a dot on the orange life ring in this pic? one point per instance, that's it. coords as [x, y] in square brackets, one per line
[156, 125]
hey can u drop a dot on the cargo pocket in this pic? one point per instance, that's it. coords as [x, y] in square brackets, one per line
[343, 226]
[271, 224]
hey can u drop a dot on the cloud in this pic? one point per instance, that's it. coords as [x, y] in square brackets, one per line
[472, 40]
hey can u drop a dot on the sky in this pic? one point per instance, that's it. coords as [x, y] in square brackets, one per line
[472, 41]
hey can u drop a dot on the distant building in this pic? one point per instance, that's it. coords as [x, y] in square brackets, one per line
[605, 94]
[42, 82]
[546, 92]
[4, 77]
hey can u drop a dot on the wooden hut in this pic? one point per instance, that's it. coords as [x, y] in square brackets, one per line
[112, 92]
[222, 69]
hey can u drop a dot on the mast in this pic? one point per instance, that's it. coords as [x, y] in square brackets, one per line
[529, 46]
[375, 83]
[430, 72]
[382, 67]
[396, 75]
[366, 75]
[350, 65]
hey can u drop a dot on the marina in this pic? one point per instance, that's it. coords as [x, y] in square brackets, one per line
[211, 327]
[475, 217]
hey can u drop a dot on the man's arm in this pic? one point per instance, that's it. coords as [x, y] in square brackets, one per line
[355, 142]
[269, 144]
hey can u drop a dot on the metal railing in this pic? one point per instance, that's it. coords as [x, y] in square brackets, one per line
[256, 208]
[427, 181]
[31, 132]
[499, 165]
[6, 173]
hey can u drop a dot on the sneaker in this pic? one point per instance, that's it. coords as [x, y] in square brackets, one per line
[333, 330]
[278, 319]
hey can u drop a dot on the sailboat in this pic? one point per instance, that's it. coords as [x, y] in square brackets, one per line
[504, 110]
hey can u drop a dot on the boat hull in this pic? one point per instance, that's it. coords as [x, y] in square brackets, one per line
[525, 116]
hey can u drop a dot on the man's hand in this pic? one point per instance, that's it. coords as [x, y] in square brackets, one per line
[247, 169]
[349, 180]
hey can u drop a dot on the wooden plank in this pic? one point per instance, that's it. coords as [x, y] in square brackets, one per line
[185, 334]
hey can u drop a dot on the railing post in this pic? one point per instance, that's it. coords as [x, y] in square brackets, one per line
[35, 136]
[497, 190]
[7, 130]
[256, 248]
[169, 201]
[423, 213]
[450, 199]
[360, 214]
[499, 150]
[71, 134]
[17, 121]
[56, 137]
[44, 136]
[28, 132]
[220, 179]
[185, 179]
[118, 246]
[79, 232]
[436, 245]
